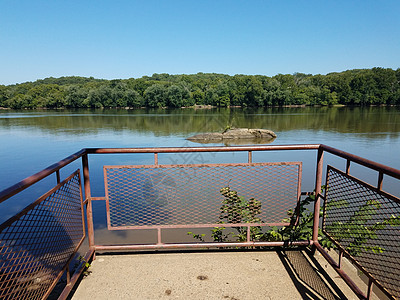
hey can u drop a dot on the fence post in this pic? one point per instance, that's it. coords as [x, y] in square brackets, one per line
[317, 203]
[88, 196]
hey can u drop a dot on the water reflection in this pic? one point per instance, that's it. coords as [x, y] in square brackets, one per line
[237, 142]
[368, 120]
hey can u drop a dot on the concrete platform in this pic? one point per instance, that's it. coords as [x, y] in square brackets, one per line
[212, 275]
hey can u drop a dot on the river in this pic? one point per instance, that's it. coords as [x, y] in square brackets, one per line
[33, 140]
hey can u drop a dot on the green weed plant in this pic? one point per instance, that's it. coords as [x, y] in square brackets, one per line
[355, 231]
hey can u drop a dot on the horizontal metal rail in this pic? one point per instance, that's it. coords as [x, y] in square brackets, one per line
[27, 182]
[200, 149]
[200, 245]
[363, 161]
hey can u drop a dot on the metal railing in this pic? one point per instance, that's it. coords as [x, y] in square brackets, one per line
[38, 244]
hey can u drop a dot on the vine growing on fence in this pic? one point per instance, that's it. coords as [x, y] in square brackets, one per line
[236, 209]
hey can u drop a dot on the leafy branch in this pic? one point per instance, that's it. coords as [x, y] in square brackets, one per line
[356, 231]
[236, 209]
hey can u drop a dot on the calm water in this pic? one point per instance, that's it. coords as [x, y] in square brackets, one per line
[32, 140]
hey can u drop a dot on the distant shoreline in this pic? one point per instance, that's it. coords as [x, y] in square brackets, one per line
[358, 87]
[195, 107]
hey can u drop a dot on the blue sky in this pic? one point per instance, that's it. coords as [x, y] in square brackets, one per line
[124, 39]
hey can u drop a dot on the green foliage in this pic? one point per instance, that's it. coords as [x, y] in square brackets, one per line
[357, 231]
[353, 87]
[86, 265]
[155, 96]
[235, 209]
[300, 225]
[199, 237]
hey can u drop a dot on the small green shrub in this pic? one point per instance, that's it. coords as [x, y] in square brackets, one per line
[237, 209]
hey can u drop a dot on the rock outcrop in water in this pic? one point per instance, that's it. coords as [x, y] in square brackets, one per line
[234, 135]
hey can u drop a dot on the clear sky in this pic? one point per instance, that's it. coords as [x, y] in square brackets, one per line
[124, 39]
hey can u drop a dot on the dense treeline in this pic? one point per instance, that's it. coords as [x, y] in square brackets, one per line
[374, 86]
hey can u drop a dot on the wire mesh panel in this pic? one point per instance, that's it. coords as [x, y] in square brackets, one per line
[365, 222]
[185, 195]
[37, 243]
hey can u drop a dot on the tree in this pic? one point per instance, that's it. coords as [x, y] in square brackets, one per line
[3, 95]
[133, 99]
[76, 96]
[176, 96]
[155, 96]
[352, 87]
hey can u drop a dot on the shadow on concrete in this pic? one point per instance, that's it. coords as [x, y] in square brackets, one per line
[310, 279]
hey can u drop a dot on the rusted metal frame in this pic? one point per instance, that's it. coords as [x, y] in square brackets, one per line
[341, 272]
[342, 251]
[250, 157]
[10, 221]
[365, 184]
[37, 202]
[201, 149]
[155, 151]
[88, 196]
[88, 256]
[299, 194]
[356, 263]
[340, 258]
[248, 234]
[317, 203]
[27, 182]
[325, 147]
[105, 168]
[5, 194]
[360, 294]
[200, 165]
[98, 198]
[200, 245]
[68, 275]
[182, 226]
[348, 162]
[369, 290]
[380, 180]
[107, 198]
[364, 162]
[324, 209]
[58, 176]
[85, 202]
[380, 175]
[58, 277]
[159, 239]
[82, 205]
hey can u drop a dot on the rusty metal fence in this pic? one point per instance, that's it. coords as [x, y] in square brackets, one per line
[189, 195]
[364, 222]
[37, 244]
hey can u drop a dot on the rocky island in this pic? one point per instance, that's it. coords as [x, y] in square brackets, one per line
[235, 135]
